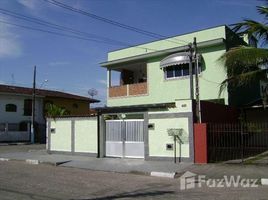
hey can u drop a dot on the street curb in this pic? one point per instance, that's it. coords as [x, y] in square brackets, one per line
[4, 159]
[32, 162]
[163, 174]
[264, 181]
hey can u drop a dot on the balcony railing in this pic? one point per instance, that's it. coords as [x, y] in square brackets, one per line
[128, 90]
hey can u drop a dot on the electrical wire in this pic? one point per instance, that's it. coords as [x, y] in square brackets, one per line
[115, 23]
[70, 30]
[210, 81]
[52, 32]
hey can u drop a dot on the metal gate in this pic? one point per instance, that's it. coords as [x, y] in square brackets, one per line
[125, 138]
[230, 141]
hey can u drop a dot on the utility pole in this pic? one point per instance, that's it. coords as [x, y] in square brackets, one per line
[191, 71]
[33, 106]
[197, 98]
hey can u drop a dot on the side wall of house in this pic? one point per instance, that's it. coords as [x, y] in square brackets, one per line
[75, 107]
[17, 117]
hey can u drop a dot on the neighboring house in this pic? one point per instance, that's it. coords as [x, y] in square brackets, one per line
[153, 93]
[16, 107]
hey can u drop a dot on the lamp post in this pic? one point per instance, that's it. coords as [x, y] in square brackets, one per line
[42, 84]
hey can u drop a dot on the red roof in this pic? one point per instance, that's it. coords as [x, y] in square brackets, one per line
[45, 93]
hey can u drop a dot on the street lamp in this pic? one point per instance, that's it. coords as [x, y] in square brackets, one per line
[42, 84]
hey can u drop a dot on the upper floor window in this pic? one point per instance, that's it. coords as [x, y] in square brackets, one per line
[11, 108]
[27, 107]
[179, 71]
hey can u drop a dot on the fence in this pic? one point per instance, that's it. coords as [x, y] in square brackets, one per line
[231, 141]
[74, 135]
[13, 132]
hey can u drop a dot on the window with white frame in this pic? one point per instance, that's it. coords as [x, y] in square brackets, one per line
[177, 71]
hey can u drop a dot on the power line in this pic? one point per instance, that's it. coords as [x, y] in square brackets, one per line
[115, 23]
[210, 81]
[55, 33]
[70, 30]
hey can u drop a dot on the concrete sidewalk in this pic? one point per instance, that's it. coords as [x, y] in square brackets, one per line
[138, 166]
[100, 164]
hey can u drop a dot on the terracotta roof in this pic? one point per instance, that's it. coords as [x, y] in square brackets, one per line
[44, 93]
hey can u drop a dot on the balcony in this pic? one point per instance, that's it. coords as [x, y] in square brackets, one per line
[135, 89]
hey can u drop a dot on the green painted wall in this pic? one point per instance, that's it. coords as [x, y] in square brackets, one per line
[158, 138]
[86, 135]
[61, 139]
[162, 91]
[177, 41]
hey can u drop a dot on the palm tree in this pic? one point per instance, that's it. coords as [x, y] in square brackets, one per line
[245, 64]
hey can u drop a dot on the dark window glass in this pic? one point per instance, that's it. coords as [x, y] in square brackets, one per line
[185, 70]
[178, 71]
[11, 108]
[27, 107]
[170, 72]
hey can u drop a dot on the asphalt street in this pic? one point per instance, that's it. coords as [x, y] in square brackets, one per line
[19, 180]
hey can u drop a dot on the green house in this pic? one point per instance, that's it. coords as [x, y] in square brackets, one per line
[152, 95]
[143, 81]
[151, 109]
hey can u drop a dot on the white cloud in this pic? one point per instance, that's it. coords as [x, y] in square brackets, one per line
[104, 82]
[9, 43]
[30, 4]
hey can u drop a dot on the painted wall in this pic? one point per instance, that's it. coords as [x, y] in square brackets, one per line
[68, 104]
[79, 138]
[86, 135]
[177, 41]
[61, 139]
[158, 138]
[17, 117]
[161, 90]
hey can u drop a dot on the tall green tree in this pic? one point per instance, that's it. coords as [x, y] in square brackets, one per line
[245, 64]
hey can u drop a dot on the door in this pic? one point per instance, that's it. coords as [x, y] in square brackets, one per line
[125, 138]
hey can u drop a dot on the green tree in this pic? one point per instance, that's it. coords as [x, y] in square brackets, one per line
[245, 64]
[54, 111]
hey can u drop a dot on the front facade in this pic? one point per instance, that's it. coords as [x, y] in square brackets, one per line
[150, 112]
[154, 78]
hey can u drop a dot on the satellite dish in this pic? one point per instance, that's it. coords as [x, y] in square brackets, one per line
[92, 92]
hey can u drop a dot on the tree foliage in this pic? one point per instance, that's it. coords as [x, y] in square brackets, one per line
[54, 111]
[245, 64]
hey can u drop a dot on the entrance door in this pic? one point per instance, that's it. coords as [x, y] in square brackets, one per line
[125, 138]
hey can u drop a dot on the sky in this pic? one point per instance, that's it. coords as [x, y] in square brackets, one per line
[72, 65]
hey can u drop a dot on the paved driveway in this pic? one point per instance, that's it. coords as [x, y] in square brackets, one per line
[22, 181]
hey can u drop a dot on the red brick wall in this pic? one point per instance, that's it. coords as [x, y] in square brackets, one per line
[138, 88]
[118, 91]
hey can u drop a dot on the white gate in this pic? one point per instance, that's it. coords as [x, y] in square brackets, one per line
[125, 138]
